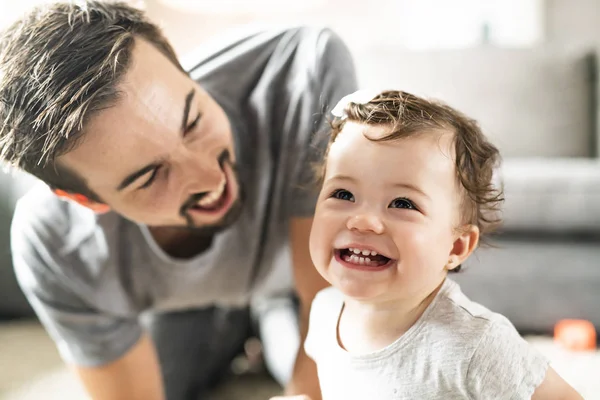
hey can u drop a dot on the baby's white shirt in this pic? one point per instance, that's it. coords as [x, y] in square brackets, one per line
[458, 349]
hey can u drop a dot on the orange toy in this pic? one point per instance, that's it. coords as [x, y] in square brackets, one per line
[575, 334]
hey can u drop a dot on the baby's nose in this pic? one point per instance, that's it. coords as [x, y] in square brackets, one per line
[366, 223]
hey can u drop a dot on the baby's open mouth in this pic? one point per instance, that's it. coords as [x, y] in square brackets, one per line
[363, 257]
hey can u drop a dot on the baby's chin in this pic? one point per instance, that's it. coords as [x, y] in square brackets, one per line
[364, 293]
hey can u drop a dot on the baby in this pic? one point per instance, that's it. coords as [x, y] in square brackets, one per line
[406, 194]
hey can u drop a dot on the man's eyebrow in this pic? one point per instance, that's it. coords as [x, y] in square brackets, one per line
[186, 109]
[129, 179]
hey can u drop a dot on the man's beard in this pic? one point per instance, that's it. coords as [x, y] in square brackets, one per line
[232, 215]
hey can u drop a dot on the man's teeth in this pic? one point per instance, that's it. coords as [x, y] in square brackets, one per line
[213, 196]
[364, 252]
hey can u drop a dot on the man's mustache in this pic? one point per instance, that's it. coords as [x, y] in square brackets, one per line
[196, 197]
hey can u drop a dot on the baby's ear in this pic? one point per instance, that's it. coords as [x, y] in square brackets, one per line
[464, 244]
[99, 208]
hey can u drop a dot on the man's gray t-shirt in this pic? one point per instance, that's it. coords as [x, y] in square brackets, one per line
[458, 349]
[90, 276]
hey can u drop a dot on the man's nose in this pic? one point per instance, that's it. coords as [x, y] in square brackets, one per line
[201, 172]
[366, 222]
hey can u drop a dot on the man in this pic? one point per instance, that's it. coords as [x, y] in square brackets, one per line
[173, 196]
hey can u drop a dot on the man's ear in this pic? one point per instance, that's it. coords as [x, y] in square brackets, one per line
[464, 244]
[99, 208]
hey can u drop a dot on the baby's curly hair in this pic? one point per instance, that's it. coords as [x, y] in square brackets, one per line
[475, 157]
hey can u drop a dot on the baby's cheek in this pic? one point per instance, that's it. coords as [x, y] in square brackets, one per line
[415, 237]
[315, 243]
[420, 245]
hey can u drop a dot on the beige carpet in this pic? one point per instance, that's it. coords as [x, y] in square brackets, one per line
[30, 369]
[59, 384]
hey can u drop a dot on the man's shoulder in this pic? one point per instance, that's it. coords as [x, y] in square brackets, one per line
[250, 39]
[56, 242]
[41, 210]
[45, 222]
[258, 55]
[39, 200]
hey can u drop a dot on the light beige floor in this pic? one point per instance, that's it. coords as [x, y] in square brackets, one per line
[30, 369]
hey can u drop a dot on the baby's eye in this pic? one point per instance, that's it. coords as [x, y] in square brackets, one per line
[402, 202]
[342, 194]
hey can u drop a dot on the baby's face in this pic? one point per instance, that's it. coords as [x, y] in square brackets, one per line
[386, 217]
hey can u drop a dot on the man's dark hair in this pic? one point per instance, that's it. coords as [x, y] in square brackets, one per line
[59, 65]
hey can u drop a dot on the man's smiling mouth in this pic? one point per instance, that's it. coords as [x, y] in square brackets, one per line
[213, 200]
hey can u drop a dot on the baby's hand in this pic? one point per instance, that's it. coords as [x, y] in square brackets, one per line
[299, 397]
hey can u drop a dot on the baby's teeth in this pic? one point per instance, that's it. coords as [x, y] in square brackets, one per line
[362, 252]
[367, 260]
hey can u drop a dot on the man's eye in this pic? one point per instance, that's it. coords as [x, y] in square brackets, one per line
[193, 124]
[342, 194]
[402, 202]
[151, 179]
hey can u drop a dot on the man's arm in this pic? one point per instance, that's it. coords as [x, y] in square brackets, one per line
[85, 336]
[135, 376]
[308, 283]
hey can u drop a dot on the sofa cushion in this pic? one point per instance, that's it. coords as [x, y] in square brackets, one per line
[530, 102]
[535, 283]
[558, 195]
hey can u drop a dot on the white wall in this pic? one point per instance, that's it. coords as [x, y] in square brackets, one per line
[573, 22]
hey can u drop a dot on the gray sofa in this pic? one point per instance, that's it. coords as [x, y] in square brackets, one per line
[545, 263]
[12, 302]
[539, 106]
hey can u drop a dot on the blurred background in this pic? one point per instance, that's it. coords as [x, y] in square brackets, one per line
[526, 69]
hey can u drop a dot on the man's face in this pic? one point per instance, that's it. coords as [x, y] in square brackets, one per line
[163, 154]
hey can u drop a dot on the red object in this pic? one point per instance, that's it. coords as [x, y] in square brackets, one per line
[575, 334]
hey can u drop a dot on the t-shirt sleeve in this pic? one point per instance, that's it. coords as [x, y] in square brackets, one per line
[84, 335]
[332, 77]
[505, 366]
[324, 313]
[312, 336]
